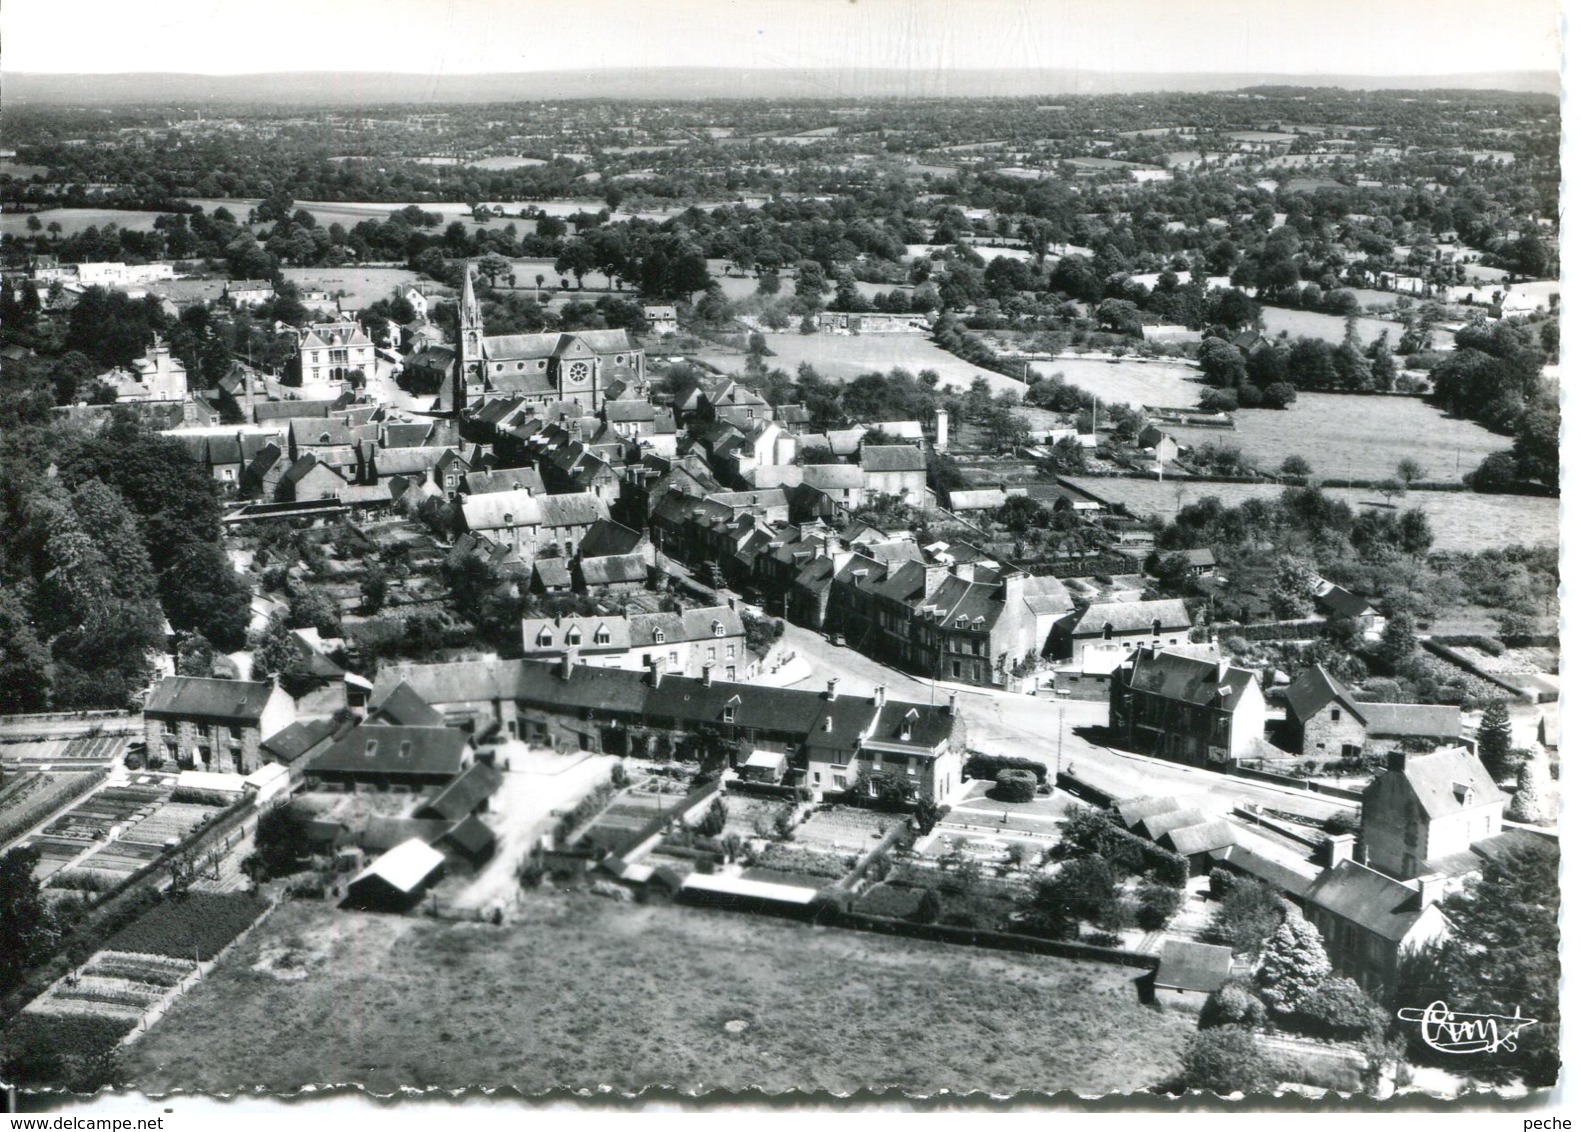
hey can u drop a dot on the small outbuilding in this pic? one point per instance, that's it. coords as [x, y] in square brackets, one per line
[397, 880]
[1189, 972]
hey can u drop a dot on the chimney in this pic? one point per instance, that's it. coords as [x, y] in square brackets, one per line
[708, 675]
[951, 709]
[880, 693]
[1339, 847]
[1015, 587]
[1396, 761]
[941, 430]
[1223, 671]
[656, 670]
[834, 682]
[1430, 889]
[568, 662]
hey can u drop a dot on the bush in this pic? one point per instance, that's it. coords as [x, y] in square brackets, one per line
[988, 766]
[1226, 1059]
[1015, 786]
[1156, 906]
[1095, 832]
[1341, 1010]
[1233, 1004]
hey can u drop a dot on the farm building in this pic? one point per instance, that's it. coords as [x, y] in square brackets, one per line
[386, 757]
[398, 879]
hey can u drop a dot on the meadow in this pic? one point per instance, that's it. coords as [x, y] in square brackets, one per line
[841, 357]
[582, 993]
[1345, 436]
[74, 220]
[1331, 327]
[1164, 384]
[1461, 521]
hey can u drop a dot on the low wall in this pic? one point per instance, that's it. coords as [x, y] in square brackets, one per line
[1306, 784]
[1444, 653]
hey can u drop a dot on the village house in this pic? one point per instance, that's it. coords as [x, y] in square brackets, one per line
[1426, 808]
[532, 525]
[382, 756]
[1338, 603]
[1370, 921]
[335, 351]
[1108, 631]
[156, 376]
[683, 643]
[1324, 721]
[1185, 709]
[896, 469]
[661, 320]
[217, 725]
[1188, 972]
[248, 292]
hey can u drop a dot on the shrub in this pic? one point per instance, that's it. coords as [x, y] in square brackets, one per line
[1226, 1059]
[712, 823]
[928, 908]
[1340, 1009]
[1294, 965]
[929, 813]
[1250, 911]
[1157, 905]
[1233, 1004]
[1015, 786]
[988, 766]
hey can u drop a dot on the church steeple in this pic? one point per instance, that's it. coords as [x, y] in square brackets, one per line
[469, 345]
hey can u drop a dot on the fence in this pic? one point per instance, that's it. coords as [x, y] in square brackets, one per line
[1303, 629]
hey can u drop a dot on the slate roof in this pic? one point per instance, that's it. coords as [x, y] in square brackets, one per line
[406, 435]
[1430, 721]
[1380, 904]
[573, 509]
[893, 458]
[464, 793]
[502, 509]
[504, 479]
[609, 537]
[1135, 809]
[290, 743]
[1189, 966]
[1339, 602]
[1187, 679]
[1313, 690]
[1200, 838]
[386, 749]
[832, 477]
[614, 569]
[382, 833]
[552, 573]
[404, 707]
[1156, 825]
[1437, 780]
[1132, 617]
[240, 700]
[471, 836]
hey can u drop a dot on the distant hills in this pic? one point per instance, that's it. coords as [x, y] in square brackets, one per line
[677, 83]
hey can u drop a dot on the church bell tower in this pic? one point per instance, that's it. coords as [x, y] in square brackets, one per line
[469, 345]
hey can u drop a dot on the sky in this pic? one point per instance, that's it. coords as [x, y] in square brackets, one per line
[1352, 37]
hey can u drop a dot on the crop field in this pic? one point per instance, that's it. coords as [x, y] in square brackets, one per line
[198, 925]
[1164, 384]
[581, 992]
[1461, 520]
[844, 829]
[1344, 436]
[841, 357]
[74, 220]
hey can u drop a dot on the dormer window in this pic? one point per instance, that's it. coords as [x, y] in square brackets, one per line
[960, 622]
[719, 629]
[906, 725]
[574, 637]
[545, 638]
[601, 637]
[730, 713]
[658, 636]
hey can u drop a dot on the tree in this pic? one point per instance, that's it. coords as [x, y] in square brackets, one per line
[1222, 364]
[27, 930]
[273, 650]
[714, 819]
[1157, 905]
[1291, 594]
[1398, 648]
[1530, 803]
[1500, 956]
[1295, 466]
[1408, 471]
[1292, 966]
[194, 655]
[1083, 889]
[1279, 395]
[1015, 786]
[1249, 912]
[24, 658]
[375, 587]
[1233, 1004]
[1341, 1010]
[1224, 1060]
[1493, 741]
[1391, 489]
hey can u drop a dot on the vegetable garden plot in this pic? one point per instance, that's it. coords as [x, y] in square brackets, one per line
[198, 924]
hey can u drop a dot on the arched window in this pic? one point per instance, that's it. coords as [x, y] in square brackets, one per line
[658, 636]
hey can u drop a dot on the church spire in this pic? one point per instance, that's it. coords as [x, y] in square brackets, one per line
[471, 315]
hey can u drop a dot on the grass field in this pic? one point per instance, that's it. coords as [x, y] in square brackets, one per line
[74, 220]
[1331, 327]
[841, 357]
[1165, 384]
[364, 285]
[1344, 436]
[585, 993]
[1460, 520]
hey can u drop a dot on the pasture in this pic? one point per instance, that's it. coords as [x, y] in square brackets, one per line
[1331, 327]
[363, 285]
[1345, 436]
[1136, 383]
[1461, 520]
[74, 220]
[841, 357]
[580, 992]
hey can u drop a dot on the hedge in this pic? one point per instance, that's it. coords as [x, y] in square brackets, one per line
[1015, 785]
[979, 765]
[1094, 832]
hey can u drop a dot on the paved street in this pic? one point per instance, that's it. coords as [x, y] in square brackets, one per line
[1030, 727]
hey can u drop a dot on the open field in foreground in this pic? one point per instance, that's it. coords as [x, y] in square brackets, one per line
[840, 357]
[1345, 436]
[582, 992]
[1164, 384]
[1461, 520]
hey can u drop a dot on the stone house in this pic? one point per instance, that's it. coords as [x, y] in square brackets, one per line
[205, 724]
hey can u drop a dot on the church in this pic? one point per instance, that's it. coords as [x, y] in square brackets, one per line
[578, 366]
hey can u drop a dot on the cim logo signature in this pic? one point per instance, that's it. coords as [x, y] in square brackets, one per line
[1449, 1032]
